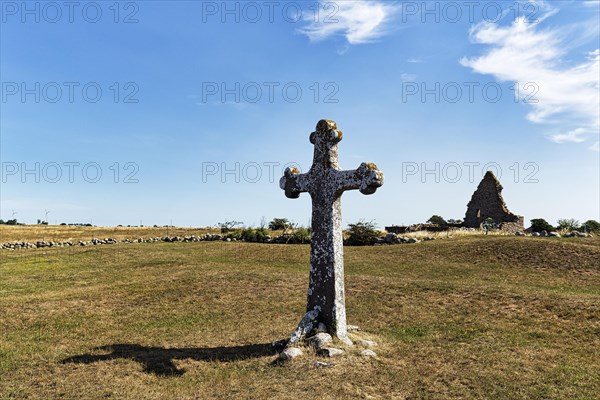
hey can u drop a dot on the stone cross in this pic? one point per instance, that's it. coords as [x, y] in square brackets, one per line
[325, 182]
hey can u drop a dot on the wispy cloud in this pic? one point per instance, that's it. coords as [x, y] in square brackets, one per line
[359, 21]
[414, 60]
[576, 136]
[568, 94]
[405, 77]
[595, 146]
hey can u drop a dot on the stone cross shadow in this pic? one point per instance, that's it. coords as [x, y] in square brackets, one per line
[161, 361]
[326, 182]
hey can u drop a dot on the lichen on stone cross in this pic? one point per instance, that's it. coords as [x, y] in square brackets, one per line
[326, 182]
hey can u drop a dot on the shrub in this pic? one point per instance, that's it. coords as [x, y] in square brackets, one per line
[235, 234]
[261, 234]
[251, 234]
[248, 234]
[362, 233]
[302, 235]
[489, 225]
[540, 224]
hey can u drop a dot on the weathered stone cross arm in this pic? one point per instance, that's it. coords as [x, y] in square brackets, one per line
[294, 183]
[367, 178]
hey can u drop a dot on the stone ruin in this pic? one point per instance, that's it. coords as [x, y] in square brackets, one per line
[487, 202]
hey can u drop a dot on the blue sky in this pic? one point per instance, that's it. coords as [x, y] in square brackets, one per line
[191, 110]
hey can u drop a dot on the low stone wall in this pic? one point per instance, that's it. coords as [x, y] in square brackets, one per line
[284, 239]
[110, 241]
[572, 234]
[419, 227]
[389, 239]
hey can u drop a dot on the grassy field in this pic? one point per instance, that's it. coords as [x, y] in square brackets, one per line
[469, 317]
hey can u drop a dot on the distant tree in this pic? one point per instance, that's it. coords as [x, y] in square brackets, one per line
[591, 226]
[540, 224]
[436, 219]
[362, 233]
[568, 224]
[228, 225]
[2, 222]
[279, 224]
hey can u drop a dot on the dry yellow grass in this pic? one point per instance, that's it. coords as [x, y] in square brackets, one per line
[470, 317]
[32, 233]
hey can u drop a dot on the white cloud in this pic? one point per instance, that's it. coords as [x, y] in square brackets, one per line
[414, 60]
[359, 21]
[522, 52]
[595, 146]
[576, 136]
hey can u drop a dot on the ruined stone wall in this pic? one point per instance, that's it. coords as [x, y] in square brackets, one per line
[487, 202]
[514, 227]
